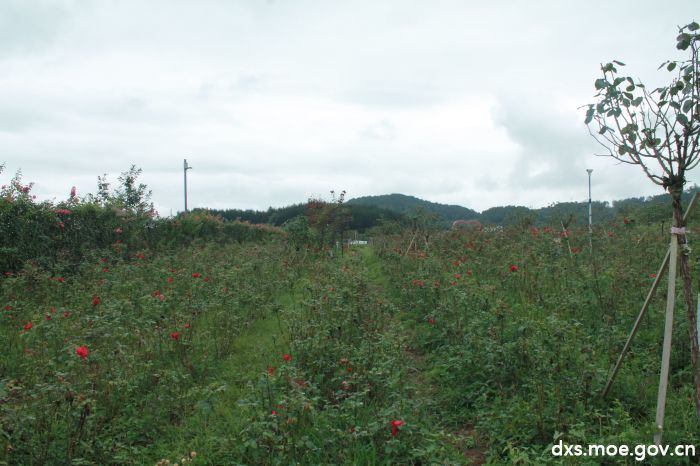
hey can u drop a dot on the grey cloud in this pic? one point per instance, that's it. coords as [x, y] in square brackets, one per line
[553, 145]
[383, 130]
[30, 26]
[15, 119]
[249, 82]
[241, 85]
[395, 95]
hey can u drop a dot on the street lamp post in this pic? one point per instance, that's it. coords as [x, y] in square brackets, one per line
[590, 202]
[185, 168]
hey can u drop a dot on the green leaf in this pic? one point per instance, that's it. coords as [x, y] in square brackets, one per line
[600, 84]
[589, 115]
[618, 81]
[683, 45]
[618, 63]
[682, 119]
[683, 41]
[671, 66]
[622, 150]
[630, 88]
[687, 105]
[637, 101]
[608, 67]
[603, 130]
[675, 105]
[693, 26]
[630, 128]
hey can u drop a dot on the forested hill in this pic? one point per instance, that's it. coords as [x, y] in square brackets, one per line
[407, 204]
[368, 211]
[640, 209]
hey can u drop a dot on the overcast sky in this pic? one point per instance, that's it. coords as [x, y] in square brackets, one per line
[466, 102]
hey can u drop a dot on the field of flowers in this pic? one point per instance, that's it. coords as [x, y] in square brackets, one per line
[198, 341]
[100, 366]
[520, 327]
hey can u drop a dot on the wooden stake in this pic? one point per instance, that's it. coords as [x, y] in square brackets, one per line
[668, 333]
[698, 319]
[408, 249]
[647, 301]
[637, 323]
[565, 234]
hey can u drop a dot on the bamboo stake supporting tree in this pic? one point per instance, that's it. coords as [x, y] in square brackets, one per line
[668, 333]
[645, 306]
[659, 131]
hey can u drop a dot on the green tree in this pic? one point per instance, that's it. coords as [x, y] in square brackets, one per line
[132, 196]
[659, 131]
[329, 220]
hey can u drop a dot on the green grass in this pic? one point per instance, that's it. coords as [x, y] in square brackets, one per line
[375, 273]
[216, 420]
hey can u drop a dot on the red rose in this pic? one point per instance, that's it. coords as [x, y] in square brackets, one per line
[82, 352]
[395, 424]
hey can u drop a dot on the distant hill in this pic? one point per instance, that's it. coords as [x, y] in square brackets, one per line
[405, 204]
[368, 211]
[643, 209]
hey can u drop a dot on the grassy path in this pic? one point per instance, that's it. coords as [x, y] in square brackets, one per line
[217, 420]
[465, 439]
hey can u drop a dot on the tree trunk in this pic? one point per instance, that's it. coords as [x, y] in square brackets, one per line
[689, 298]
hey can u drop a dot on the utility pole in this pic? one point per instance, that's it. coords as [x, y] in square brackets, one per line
[186, 167]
